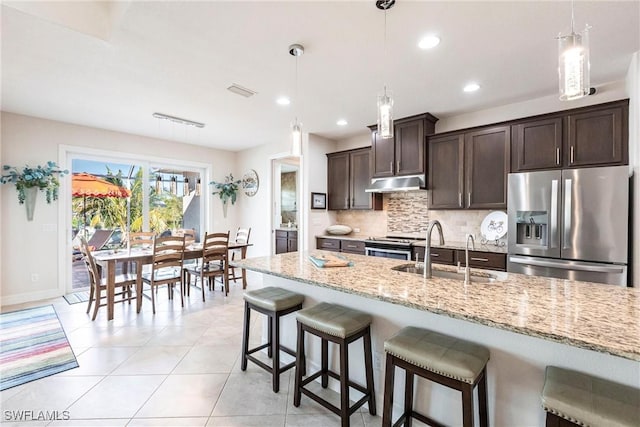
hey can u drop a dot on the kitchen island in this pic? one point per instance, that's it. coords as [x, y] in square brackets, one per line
[526, 322]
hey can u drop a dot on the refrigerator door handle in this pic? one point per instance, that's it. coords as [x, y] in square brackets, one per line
[566, 226]
[553, 220]
[566, 266]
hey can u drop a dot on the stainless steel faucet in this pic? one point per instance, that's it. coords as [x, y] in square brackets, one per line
[467, 270]
[427, 249]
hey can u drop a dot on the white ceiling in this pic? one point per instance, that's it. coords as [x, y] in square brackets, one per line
[111, 65]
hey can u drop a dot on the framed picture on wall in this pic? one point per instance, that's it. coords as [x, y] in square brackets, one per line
[318, 200]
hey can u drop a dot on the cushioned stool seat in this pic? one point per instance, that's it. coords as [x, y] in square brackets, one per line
[274, 303]
[340, 325]
[446, 360]
[588, 401]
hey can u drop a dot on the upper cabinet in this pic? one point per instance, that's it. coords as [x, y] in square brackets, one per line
[468, 170]
[589, 136]
[349, 174]
[404, 154]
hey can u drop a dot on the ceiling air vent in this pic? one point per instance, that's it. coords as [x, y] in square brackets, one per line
[235, 88]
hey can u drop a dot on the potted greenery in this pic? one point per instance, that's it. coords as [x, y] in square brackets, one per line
[29, 180]
[227, 190]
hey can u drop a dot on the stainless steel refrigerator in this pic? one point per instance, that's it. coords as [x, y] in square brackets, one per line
[570, 224]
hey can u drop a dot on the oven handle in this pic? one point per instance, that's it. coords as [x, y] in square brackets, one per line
[368, 250]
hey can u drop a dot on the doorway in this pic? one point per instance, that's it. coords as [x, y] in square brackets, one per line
[286, 215]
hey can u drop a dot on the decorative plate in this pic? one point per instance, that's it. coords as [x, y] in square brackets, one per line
[494, 225]
[338, 229]
[250, 183]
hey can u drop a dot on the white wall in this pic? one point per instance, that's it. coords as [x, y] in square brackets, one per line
[357, 141]
[33, 247]
[633, 91]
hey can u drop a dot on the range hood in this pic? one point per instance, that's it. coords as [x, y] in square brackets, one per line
[396, 183]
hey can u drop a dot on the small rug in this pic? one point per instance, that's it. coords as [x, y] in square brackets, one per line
[77, 297]
[33, 345]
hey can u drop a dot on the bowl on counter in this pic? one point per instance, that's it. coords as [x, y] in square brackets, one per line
[338, 229]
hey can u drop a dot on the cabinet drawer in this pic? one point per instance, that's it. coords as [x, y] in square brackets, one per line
[281, 234]
[485, 260]
[352, 246]
[438, 255]
[328, 244]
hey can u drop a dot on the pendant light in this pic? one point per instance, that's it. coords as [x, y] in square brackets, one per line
[158, 184]
[385, 99]
[296, 50]
[573, 63]
[185, 186]
[198, 187]
[174, 185]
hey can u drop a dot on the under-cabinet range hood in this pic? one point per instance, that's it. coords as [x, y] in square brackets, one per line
[396, 183]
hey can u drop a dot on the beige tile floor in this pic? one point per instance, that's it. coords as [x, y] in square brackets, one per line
[179, 367]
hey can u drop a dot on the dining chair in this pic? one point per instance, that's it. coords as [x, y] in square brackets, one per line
[140, 239]
[242, 236]
[166, 267]
[98, 285]
[188, 233]
[214, 262]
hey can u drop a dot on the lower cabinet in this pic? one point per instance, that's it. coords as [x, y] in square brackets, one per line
[286, 241]
[477, 259]
[340, 245]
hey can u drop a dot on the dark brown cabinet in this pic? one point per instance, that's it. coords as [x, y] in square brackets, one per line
[286, 241]
[348, 175]
[340, 245]
[584, 137]
[404, 154]
[328, 244]
[477, 259]
[469, 170]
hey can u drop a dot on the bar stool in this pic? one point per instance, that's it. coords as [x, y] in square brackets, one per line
[573, 398]
[342, 326]
[448, 361]
[274, 303]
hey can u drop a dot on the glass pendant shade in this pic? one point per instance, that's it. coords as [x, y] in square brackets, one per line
[573, 65]
[385, 114]
[158, 184]
[296, 138]
[174, 185]
[198, 187]
[185, 187]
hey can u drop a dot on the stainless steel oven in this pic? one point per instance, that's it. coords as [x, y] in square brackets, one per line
[404, 254]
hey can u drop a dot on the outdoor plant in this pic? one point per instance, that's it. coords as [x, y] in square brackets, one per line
[45, 178]
[227, 190]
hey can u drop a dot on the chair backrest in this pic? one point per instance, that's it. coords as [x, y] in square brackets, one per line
[188, 233]
[168, 252]
[141, 238]
[215, 247]
[89, 262]
[99, 239]
[242, 235]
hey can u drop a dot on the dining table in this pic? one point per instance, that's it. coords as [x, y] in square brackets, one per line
[108, 261]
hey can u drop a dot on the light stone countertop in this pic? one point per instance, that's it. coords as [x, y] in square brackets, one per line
[350, 236]
[602, 318]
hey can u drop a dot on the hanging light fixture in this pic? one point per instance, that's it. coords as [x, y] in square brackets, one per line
[174, 185]
[185, 186]
[385, 99]
[296, 50]
[158, 184]
[573, 63]
[198, 187]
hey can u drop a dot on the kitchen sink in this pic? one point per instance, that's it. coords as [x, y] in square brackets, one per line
[444, 274]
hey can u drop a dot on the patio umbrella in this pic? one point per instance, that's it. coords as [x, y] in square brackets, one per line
[86, 185]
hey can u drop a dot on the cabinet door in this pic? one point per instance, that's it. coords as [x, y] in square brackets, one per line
[360, 178]
[537, 145]
[483, 260]
[328, 244]
[338, 181]
[292, 241]
[598, 138]
[446, 172]
[281, 245]
[486, 167]
[409, 147]
[383, 156]
[352, 247]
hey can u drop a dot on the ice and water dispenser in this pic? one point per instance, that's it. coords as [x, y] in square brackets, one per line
[532, 228]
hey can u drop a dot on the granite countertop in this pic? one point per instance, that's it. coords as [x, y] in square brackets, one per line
[292, 228]
[350, 236]
[603, 318]
[449, 245]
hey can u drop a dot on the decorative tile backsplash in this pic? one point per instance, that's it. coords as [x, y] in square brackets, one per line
[408, 212]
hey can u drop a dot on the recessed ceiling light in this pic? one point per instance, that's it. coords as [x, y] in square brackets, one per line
[471, 87]
[283, 100]
[341, 122]
[429, 42]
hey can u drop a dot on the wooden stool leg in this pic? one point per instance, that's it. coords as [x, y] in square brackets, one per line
[389, 374]
[245, 334]
[467, 405]
[270, 334]
[299, 366]
[275, 345]
[482, 399]
[368, 366]
[408, 398]
[344, 383]
[325, 363]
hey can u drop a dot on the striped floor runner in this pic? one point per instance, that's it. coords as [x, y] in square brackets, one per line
[33, 345]
[77, 297]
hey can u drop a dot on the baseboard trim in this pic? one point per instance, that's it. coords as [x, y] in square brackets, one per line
[30, 297]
